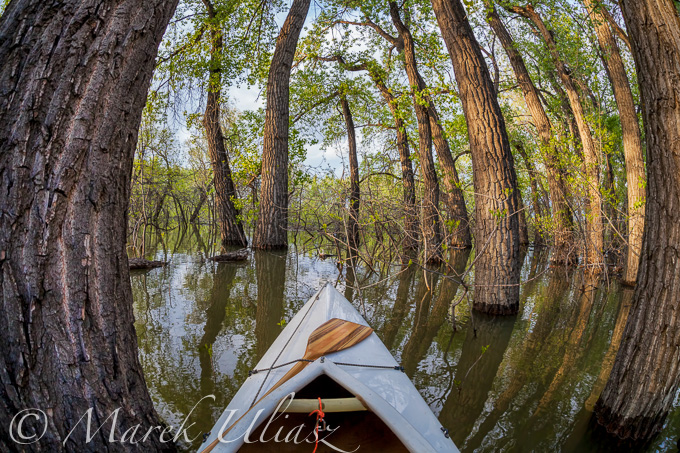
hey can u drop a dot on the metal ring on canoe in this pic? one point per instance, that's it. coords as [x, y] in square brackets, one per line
[329, 405]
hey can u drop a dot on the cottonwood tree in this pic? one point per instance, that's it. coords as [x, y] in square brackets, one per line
[632, 141]
[496, 233]
[272, 224]
[74, 81]
[645, 378]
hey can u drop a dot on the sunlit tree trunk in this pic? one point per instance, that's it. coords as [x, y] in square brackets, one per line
[594, 240]
[355, 191]
[562, 216]
[272, 222]
[73, 83]
[645, 376]
[231, 230]
[496, 193]
[630, 128]
[431, 222]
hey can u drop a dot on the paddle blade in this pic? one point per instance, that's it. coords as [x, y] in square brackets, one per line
[335, 335]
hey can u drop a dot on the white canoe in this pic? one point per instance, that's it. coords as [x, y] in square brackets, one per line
[397, 418]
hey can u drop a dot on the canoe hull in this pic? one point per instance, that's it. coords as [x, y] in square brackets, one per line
[387, 392]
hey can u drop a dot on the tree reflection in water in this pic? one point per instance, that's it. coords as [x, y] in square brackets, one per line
[524, 383]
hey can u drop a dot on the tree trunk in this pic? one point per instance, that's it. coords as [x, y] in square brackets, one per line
[73, 84]
[201, 201]
[355, 191]
[231, 230]
[496, 202]
[410, 244]
[562, 216]
[646, 376]
[455, 200]
[271, 231]
[431, 222]
[632, 143]
[539, 212]
[594, 235]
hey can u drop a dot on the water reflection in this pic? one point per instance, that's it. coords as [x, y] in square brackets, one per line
[525, 383]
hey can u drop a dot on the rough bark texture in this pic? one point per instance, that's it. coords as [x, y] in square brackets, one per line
[632, 143]
[271, 231]
[355, 191]
[594, 234]
[231, 230]
[496, 203]
[645, 377]
[561, 213]
[431, 222]
[73, 83]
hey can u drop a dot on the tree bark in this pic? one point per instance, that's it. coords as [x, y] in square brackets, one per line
[646, 376]
[594, 235]
[557, 186]
[231, 230]
[271, 231]
[632, 142]
[496, 193]
[411, 224]
[73, 84]
[431, 222]
[355, 191]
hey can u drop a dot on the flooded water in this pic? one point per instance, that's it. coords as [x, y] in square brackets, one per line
[525, 383]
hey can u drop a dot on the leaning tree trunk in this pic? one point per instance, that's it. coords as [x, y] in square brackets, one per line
[453, 195]
[646, 376]
[594, 240]
[632, 143]
[410, 243]
[496, 232]
[73, 83]
[231, 230]
[271, 231]
[557, 186]
[431, 222]
[355, 191]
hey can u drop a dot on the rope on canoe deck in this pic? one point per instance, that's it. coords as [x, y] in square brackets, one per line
[361, 365]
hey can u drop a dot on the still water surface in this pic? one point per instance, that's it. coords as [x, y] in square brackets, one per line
[526, 383]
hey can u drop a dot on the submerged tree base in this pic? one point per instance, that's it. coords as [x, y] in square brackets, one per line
[633, 433]
[497, 309]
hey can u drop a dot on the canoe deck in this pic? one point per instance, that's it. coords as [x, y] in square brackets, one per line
[397, 419]
[362, 431]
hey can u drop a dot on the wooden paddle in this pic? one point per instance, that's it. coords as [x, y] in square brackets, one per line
[332, 336]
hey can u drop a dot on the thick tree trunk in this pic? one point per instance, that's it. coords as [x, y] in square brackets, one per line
[496, 202]
[231, 230]
[562, 216]
[271, 231]
[594, 235]
[632, 143]
[646, 376]
[355, 191]
[431, 222]
[73, 83]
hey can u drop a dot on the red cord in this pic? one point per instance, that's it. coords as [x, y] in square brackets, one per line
[319, 417]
